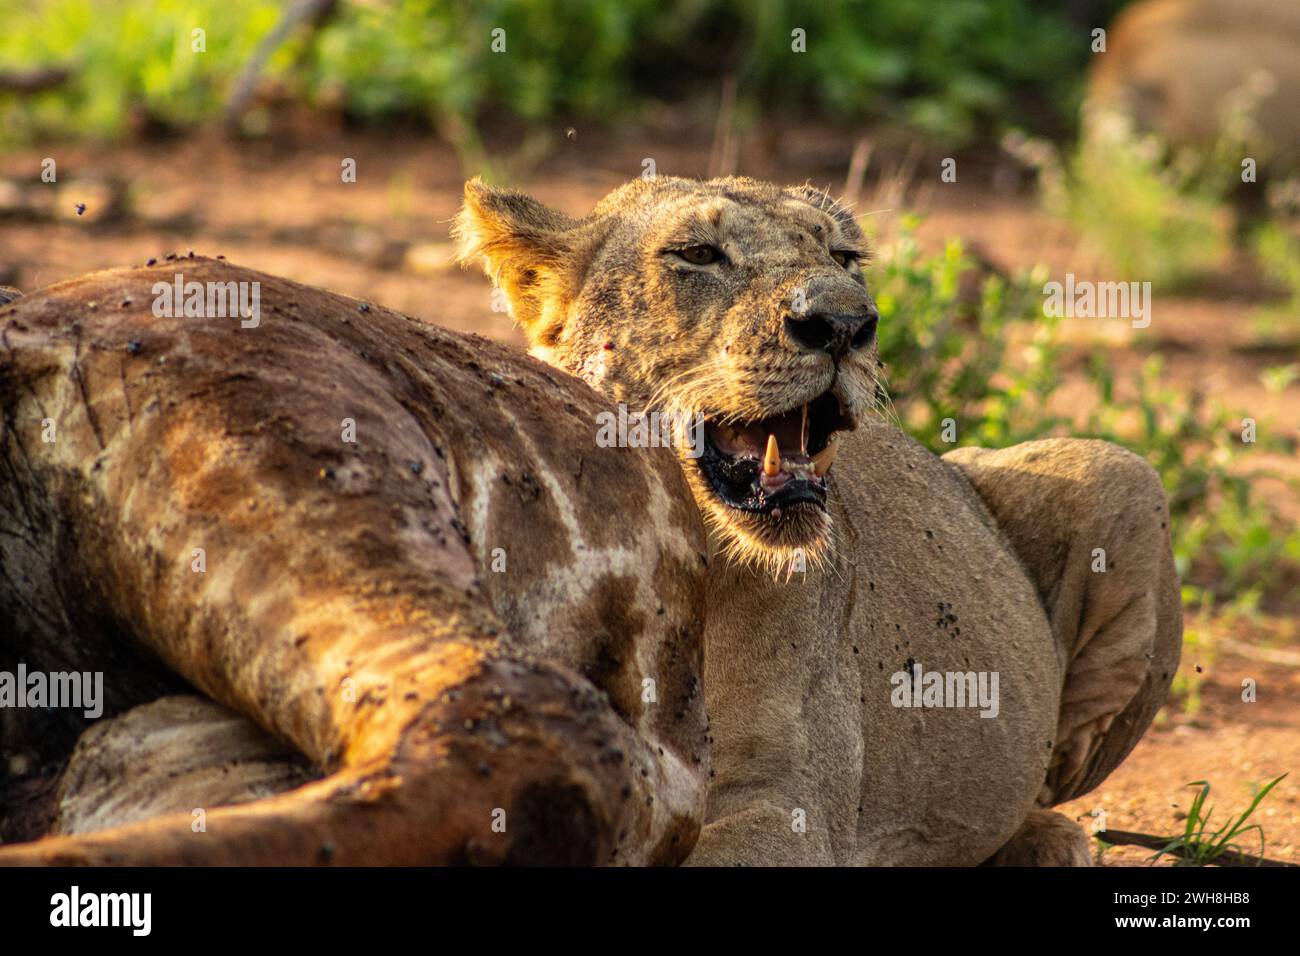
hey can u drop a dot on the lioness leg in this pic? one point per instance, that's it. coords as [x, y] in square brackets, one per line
[760, 836]
[1089, 521]
[1046, 838]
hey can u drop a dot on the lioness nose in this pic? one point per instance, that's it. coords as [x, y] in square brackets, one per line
[837, 333]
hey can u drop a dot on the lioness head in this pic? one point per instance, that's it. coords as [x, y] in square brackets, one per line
[732, 303]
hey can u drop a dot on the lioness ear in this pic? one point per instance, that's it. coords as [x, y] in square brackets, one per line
[526, 248]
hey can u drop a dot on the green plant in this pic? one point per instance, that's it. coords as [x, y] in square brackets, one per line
[949, 68]
[972, 359]
[953, 69]
[1148, 217]
[1278, 377]
[1199, 645]
[965, 357]
[128, 57]
[1276, 247]
[1193, 848]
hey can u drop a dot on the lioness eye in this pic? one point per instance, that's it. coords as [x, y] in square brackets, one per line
[845, 258]
[700, 255]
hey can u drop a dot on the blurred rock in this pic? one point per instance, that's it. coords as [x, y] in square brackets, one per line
[1194, 71]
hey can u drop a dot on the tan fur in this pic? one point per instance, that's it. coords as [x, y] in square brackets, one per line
[609, 270]
[1045, 838]
[978, 563]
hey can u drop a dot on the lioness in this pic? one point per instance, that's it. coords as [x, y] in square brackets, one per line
[1036, 582]
[1047, 564]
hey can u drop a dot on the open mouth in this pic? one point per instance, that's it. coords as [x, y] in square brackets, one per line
[774, 462]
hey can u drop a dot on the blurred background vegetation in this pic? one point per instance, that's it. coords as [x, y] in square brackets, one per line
[955, 70]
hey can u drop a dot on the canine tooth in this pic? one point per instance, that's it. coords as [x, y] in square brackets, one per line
[822, 460]
[772, 458]
[803, 431]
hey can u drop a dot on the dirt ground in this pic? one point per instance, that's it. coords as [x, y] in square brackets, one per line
[283, 209]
